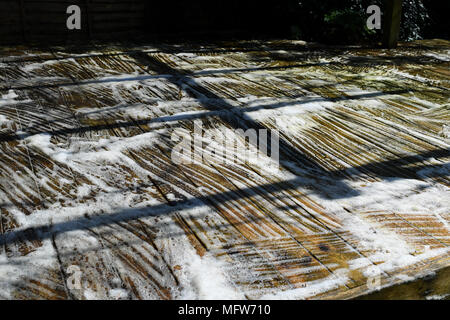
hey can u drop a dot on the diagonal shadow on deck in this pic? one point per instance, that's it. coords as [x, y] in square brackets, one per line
[228, 115]
[47, 231]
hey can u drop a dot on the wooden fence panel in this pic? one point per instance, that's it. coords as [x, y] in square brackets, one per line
[45, 20]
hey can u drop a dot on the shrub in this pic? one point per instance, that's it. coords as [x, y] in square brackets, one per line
[344, 21]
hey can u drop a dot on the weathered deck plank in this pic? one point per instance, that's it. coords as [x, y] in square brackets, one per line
[87, 180]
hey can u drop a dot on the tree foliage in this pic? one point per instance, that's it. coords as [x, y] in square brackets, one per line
[344, 21]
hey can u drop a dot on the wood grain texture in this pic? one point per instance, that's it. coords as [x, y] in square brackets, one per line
[87, 178]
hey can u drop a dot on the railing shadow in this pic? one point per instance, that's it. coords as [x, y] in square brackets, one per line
[233, 117]
[124, 215]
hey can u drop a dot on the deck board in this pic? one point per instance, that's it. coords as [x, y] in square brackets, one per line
[87, 180]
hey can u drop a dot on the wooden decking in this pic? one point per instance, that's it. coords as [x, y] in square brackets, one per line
[87, 181]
